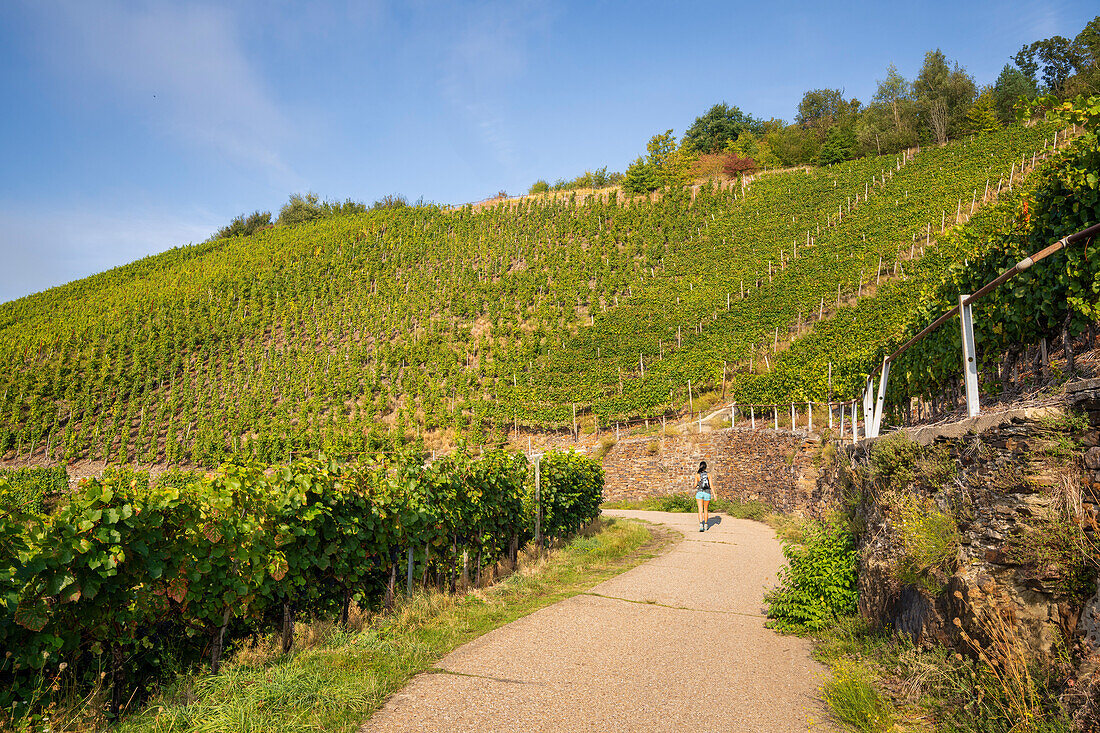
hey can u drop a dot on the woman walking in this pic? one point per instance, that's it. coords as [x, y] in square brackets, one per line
[703, 495]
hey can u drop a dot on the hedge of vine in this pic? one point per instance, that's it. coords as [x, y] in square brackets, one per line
[27, 487]
[126, 574]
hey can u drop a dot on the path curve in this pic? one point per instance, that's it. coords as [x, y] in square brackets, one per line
[676, 643]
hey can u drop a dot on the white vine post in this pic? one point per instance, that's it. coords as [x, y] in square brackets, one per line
[752, 416]
[538, 500]
[969, 356]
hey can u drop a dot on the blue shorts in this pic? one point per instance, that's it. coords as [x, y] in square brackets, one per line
[704, 495]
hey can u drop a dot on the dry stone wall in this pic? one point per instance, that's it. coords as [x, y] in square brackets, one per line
[776, 467]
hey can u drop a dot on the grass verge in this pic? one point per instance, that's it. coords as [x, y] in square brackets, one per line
[883, 683]
[339, 675]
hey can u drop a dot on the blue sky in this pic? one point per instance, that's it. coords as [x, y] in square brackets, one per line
[132, 127]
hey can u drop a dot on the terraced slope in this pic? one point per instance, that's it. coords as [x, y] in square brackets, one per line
[463, 320]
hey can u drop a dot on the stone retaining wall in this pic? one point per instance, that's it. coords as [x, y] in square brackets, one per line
[1009, 480]
[776, 467]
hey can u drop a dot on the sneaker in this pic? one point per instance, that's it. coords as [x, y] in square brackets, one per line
[701, 526]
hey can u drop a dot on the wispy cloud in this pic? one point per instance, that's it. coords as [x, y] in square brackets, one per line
[47, 248]
[183, 68]
[489, 54]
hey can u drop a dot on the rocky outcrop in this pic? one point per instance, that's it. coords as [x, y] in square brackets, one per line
[1021, 490]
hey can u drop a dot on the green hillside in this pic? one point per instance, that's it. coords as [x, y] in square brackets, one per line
[470, 320]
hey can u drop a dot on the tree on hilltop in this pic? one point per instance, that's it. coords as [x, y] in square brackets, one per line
[300, 209]
[982, 117]
[712, 131]
[243, 225]
[1007, 90]
[1056, 57]
[640, 177]
[839, 145]
[944, 93]
[889, 123]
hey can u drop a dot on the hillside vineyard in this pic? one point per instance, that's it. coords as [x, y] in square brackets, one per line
[478, 319]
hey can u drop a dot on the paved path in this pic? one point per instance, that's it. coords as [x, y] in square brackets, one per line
[675, 644]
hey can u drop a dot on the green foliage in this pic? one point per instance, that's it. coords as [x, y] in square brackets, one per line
[539, 186]
[24, 488]
[854, 699]
[893, 461]
[1056, 57]
[571, 488]
[982, 117]
[943, 94]
[640, 177]
[929, 540]
[244, 226]
[822, 108]
[819, 583]
[839, 145]
[123, 557]
[301, 208]
[390, 201]
[1011, 85]
[718, 127]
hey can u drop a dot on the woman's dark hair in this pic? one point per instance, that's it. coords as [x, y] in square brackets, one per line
[702, 466]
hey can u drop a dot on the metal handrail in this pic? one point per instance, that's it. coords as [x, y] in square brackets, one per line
[1000, 279]
[883, 371]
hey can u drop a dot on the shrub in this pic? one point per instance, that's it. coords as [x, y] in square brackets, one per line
[653, 447]
[539, 186]
[819, 583]
[929, 540]
[893, 459]
[336, 208]
[734, 165]
[243, 225]
[607, 442]
[390, 201]
[300, 208]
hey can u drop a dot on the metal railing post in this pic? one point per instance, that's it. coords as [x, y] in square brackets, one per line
[880, 404]
[869, 407]
[969, 356]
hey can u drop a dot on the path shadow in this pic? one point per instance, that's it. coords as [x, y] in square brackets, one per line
[713, 520]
